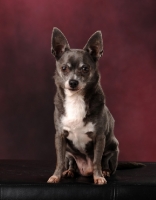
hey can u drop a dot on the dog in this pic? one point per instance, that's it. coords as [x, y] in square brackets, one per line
[85, 142]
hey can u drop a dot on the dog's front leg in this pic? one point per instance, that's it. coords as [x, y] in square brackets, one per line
[60, 145]
[98, 152]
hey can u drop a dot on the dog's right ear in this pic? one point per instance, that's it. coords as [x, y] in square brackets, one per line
[59, 43]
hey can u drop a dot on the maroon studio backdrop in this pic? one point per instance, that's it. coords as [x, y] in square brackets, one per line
[128, 69]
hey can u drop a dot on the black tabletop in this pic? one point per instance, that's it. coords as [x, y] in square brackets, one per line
[28, 171]
[21, 179]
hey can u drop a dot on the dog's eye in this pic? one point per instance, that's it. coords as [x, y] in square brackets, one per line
[85, 69]
[64, 68]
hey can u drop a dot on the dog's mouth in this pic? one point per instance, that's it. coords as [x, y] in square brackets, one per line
[73, 89]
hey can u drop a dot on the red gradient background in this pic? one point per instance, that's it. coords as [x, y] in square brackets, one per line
[128, 69]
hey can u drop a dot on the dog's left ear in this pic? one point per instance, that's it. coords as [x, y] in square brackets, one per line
[94, 46]
[59, 43]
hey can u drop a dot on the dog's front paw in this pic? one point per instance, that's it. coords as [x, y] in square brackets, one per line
[68, 173]
[99, 180]
[53, 179]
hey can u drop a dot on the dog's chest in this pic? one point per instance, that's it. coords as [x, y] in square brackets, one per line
[72, 121]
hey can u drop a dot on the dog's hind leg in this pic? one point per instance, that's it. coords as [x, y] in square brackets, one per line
[109, 163]
[70, 166]
[105, 164]
[113, 162]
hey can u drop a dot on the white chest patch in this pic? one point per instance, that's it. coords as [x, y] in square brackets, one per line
[72, 121]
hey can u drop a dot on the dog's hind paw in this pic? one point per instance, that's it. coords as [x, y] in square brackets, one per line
[99, 180]
[68, 173]
[53, 179]
[106, 173]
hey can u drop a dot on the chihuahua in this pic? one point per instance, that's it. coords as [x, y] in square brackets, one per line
[84, 139]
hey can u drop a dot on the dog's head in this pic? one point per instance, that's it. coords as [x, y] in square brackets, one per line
[76, 68]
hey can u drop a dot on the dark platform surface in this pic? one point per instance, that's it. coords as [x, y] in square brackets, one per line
[27, 180]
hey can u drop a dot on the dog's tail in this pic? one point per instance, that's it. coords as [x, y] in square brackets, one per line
[129, 165]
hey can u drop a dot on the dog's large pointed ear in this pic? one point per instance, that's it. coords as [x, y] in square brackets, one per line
[94, 46]
[59, 43]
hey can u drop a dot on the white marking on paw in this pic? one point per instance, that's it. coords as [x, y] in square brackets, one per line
[99, 180]
[53, 179]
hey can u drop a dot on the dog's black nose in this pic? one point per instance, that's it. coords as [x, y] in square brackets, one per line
[73, 83]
